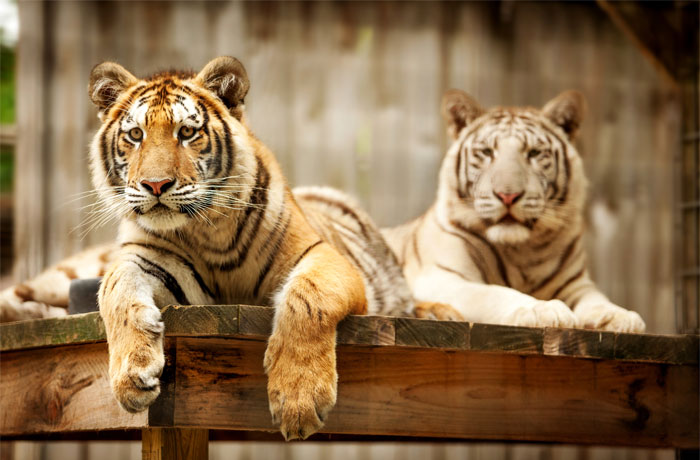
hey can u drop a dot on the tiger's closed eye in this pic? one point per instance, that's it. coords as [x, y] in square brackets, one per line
[135, 134]
[185, 132]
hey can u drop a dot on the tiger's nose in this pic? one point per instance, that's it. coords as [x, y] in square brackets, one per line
[157, 188]
[509, 198]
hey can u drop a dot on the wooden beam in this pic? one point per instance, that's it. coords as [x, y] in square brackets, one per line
[399, 378]
[254, 322]
[60, 389]
[647, 27]
[468, 395]
[174, 444]
[30, 155]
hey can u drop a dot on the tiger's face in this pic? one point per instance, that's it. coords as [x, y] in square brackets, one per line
[513, 173]
[167, 146]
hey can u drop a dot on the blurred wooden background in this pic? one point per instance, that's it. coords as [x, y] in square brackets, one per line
[347, 94]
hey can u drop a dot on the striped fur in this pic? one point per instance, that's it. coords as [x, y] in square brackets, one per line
[342, 222]
[206, 216]
[227, 230]
[502, 243]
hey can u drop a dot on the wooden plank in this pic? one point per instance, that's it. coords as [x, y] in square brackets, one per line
[75, 329]
[174, 444]
[579, 343]
[452, 394]
[658, 348]
[64, 390]
[490, 337]
[254, 322]
[366, 330]
[205, 320]
[412, 332]
[30, 155]
[383, 391]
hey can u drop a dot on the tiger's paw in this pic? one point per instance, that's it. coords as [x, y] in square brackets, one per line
[610, 317]
[138, 362]
[438, 311]
[543, 313]
[138, 386]
[301, 394]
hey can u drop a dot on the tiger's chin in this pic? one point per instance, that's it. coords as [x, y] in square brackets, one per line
[162, 221]
[509, 233]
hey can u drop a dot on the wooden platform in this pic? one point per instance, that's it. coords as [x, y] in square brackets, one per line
[399, 378]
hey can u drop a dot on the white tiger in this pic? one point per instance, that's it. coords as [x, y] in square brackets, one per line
[502, 242]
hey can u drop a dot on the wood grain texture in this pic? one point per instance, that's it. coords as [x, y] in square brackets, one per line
[469, 395]
[174, 444]
[219, 383]
[254, 322]
[205, 320]
[87, 327]
[490, 337]
[579, 343]
[366, 330]
[60, 389]
[432, 334]
[30, 204]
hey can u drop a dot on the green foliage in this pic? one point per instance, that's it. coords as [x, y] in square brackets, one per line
[7, 85]
[6, 169]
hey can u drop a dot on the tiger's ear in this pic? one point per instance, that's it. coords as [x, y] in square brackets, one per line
[107, 81]
[459, 109]
[567, 111]
[226, 77]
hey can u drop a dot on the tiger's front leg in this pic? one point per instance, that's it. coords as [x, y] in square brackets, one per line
[134, 335]
[300, 356]
[595, 311]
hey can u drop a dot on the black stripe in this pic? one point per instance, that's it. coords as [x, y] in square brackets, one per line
[450, 270]
[303, 300]
[230, 154]
[461, 193]
[218, 154]
[562, 261]
[567, 176]
[258, 200]
[107, 157]
[568, 281]
[345, 209]
[271, 256]
[200, 281]
[306, 251]
[476, 255]
[499, 262]
[165, 278]
[415, 247]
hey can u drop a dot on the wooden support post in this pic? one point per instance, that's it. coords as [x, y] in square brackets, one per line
[174, 444]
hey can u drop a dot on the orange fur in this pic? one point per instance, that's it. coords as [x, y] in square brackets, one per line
[174, 254]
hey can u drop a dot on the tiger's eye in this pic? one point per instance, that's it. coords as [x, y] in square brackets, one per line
[533, 153]
[186, 132]
[136, 134]
[487, 152]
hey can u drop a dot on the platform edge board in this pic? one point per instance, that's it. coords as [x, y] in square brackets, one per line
[255, 322]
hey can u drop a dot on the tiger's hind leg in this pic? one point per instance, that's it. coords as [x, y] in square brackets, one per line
[46, 295]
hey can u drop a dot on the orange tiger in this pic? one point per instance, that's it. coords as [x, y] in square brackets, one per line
[503, 241]
[207, 217]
